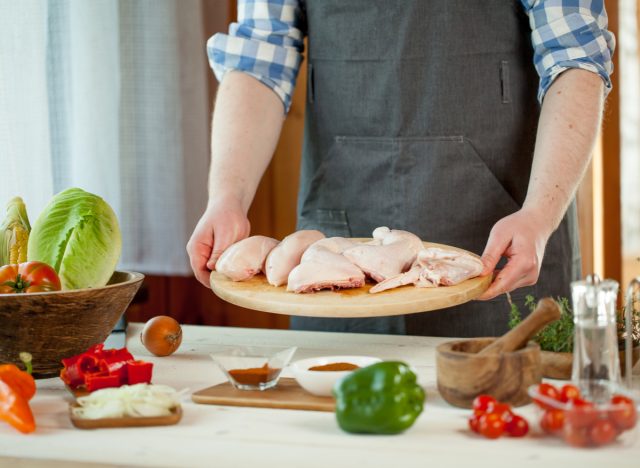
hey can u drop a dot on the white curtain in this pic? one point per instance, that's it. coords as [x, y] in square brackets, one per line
[109, 96]
[629, 59]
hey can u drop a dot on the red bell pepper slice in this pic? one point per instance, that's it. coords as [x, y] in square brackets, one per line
[139, 372]
[117, 355]
[118, 368]
[74, 375]
[97, 381]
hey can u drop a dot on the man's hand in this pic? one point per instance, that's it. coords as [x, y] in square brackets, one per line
[246, 124]
[521, 238]
[567, 130]
[223, 223]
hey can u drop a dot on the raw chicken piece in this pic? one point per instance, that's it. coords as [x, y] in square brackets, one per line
[412, 276]
[434, 267]
[321, 268]
[334, 244]
[448, 267]
[286, 256]
[393, 253]
[245, 259]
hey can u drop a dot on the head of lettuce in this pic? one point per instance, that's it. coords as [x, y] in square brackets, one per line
[77, 233]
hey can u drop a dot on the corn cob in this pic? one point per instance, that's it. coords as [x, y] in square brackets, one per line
[14, 233]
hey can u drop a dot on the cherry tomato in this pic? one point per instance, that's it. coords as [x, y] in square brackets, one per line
[517, 426]
[474, 423]
[501, 409]
[548, 391]
[576, 436]
[603, 432]
[491, 425]
[28, 277]
[623, 414]
[552, 421]
[569, 392]
[481, 403]
[583, 413]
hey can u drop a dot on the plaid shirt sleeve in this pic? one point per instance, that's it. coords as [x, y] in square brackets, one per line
[569, 34]
[266, 43]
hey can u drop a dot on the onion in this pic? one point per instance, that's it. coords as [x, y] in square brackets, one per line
[141, 400]
[161, 335]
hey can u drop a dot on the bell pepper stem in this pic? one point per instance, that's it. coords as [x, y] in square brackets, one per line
[26, 358]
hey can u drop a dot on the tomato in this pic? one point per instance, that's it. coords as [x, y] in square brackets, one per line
[491, 425]
[474, 423]
[517, 426]
[501, 409]
[481, 403]
[603, 432]
[576, 436]
[548, 391]
[623, 414]
[569, 392]
[552, 421]
[28, 277]
[582, 414]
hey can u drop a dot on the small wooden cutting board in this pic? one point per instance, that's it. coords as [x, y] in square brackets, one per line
[288, 394]
[80, 423]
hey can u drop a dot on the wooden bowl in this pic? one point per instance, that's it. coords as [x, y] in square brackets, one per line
[55, 325]
[560, 365]
[463, 375]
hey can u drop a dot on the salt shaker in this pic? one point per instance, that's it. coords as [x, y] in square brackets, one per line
[596, 365]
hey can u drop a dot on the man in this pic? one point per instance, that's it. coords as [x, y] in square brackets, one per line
[422, 115]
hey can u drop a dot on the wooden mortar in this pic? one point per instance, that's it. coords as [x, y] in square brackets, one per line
[503, 368]
[463, 374]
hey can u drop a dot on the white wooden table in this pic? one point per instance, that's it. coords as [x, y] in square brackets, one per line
[251, 437]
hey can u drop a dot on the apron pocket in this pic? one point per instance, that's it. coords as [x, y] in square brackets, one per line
[355, 179]
[450, 194]
[330, 222]
[436, 187]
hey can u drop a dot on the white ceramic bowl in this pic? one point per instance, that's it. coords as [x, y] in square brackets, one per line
[321, 383]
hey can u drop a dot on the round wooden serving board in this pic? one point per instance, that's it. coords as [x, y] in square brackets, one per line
[257, 294]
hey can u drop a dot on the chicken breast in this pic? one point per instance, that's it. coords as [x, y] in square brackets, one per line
[320, 268]
[245, 259]
[334, 244]
[286, 255]
[393, 253]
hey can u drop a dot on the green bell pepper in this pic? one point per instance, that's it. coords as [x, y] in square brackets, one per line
[382, 398]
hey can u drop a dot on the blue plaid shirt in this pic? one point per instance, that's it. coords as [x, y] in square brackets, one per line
[267, 42]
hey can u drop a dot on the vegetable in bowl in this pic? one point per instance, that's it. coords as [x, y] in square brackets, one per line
[78, 234]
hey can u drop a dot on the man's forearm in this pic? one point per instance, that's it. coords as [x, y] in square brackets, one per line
[567, 130]
[247, 121]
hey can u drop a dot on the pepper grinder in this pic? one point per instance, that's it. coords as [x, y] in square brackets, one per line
[596, 364]
[632, 308]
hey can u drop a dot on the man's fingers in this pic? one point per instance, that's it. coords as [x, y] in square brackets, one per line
[223, 238]
[496, 246]
[198, 259]
[513, 276]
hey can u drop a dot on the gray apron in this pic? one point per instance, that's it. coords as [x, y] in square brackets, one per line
[421, 115]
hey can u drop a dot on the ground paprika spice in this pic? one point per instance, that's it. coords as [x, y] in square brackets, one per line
[254, 376]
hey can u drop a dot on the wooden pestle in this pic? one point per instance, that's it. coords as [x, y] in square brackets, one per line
[546, 311]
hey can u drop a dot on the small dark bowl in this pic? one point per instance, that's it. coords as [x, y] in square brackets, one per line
[55, 325]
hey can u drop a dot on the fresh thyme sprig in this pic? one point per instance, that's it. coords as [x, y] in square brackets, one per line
[558, 336]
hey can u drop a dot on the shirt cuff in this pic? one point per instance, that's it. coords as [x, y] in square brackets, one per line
[273, 65]
[572, 41]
